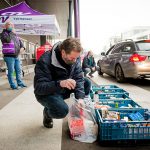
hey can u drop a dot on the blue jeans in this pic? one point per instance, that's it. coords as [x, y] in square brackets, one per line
[13, 64]
[55, 104]
[89, 70]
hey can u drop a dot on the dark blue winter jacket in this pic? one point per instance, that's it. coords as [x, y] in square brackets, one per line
[49, 72]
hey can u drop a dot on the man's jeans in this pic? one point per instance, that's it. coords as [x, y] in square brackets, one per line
[13, 64]
[90, 71]
[55, 104]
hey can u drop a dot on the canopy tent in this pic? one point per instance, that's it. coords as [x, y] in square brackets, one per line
[29, 21]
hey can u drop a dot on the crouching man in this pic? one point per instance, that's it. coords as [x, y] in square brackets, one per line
[58, 73]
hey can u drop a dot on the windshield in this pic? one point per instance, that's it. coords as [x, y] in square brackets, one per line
[144, 46]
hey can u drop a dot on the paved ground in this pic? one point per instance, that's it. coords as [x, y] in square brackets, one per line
[7, 95]
[21, 122]
[144, 84]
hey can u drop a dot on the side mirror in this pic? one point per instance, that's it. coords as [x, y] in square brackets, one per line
[103, 54]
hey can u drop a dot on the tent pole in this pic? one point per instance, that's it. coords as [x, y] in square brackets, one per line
[7, 2]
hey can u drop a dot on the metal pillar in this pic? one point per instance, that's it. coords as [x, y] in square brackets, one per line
[69, 32]
[77, 18]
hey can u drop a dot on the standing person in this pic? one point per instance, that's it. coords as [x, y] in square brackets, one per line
[58, 73]
[11, 49]
[89, 65]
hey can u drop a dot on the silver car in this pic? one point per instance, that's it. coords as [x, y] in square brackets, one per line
[129, 59]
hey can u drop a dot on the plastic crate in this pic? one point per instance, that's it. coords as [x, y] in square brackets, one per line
[123, 105]
[120, 103]
[109, 89]
[111, 96]
[115, 96]
[105, 86]
[121, 130]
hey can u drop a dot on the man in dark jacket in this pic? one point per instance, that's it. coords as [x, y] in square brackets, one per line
[11, 49]
[58, 73]
[89, 65]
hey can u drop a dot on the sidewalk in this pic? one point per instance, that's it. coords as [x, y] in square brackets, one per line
[21, 126]
[7, 94]
[27, 69]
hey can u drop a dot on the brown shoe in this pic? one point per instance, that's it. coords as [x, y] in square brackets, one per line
[47, 121]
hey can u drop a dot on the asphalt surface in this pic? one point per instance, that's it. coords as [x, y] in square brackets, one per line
[142, 83]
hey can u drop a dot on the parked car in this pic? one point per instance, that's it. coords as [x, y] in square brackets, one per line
[128, 59]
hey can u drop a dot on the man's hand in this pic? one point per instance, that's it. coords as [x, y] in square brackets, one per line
[69, 84]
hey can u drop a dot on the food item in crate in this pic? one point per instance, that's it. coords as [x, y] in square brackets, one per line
[126, 119]
[146, 124]
[113, 115]
[116, 105]
[104, 112]
[98, 106]
[136, 117]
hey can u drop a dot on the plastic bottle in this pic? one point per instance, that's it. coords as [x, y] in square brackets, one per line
[118, 115]
[116, 105]
[96, 97]
[72, 96]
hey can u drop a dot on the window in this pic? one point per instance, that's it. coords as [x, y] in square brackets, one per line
[117, 48]
[143, 46]
[128, 48]
[110, 50]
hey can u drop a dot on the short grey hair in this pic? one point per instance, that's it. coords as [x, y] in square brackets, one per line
[71, 44]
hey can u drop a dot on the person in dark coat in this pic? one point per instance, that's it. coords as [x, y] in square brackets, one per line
[58, 73]
[89, 65]
[11, 46]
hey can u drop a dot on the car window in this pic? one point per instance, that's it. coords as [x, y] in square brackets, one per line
[117, 48]
[128, 48]
[143, 46]
[110, 50]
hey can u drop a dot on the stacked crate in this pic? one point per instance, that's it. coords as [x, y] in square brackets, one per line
[132, 122]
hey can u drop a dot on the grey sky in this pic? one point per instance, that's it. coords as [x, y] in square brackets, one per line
[101, 19]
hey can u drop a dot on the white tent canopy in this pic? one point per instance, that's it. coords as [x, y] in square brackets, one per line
[29, 21]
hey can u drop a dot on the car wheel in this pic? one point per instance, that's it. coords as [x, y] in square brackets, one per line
[119, 74]
[100, 72]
